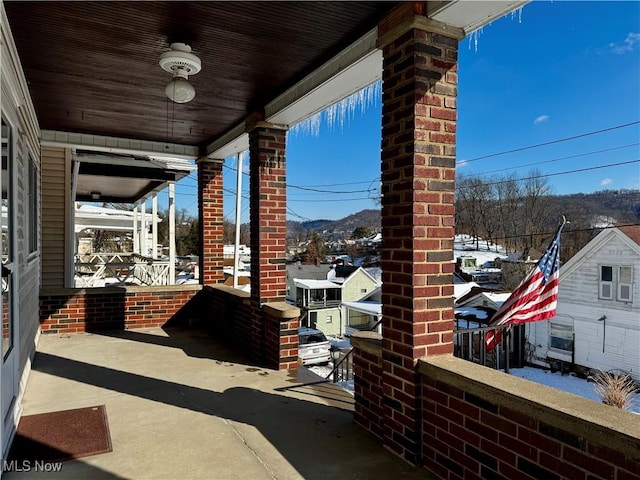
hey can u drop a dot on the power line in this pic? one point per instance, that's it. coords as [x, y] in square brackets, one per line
[290, 210]
[566, 230]
[329, 191]
[339, 200]
[560, 140]
[565, 172]
[555, 159]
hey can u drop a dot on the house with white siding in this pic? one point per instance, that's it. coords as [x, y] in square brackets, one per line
[320, 292]
[597, 325]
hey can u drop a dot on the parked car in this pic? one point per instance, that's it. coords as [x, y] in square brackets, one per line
[313, 347]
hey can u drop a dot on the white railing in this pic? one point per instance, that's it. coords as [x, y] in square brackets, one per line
[120, 269]
[155, 273]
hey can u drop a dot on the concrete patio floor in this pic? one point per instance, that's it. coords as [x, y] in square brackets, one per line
[181, 404]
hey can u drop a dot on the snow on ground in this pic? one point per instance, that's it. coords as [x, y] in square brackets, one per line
[324, 371]
[566, 383]
[466, 245]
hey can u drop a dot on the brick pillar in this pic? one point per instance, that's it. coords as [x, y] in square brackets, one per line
[210, 211]
[418, 167]
[268, 203]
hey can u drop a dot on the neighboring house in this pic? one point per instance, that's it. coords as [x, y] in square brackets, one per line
[597, 324]
[482, 297]
[365, 314]
[473, 309]
[319, 291]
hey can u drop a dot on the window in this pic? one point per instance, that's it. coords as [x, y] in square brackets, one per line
[625, 281]
[606, 282]
[32, 205]
[561, 337]
[363, 290]
[329, 319]
[469, 263]
[616, 281]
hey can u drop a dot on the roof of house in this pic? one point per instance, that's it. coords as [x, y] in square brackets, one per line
[498, 298]
[315, 284]
[320, 272]
[631, 231]
[345, 271]
[461, 289]
[371, 308]
[311, 272]
[628, 234]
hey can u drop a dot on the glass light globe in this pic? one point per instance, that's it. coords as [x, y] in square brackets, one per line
[180, 90]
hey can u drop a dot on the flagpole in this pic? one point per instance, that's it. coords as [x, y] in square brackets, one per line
[505, 347]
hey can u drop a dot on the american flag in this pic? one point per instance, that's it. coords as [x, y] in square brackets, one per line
[535, 298]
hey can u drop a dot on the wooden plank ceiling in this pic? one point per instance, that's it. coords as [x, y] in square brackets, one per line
[92, 67]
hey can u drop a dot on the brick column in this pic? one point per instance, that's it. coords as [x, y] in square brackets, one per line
[418, 168]
[210, 211]
[268, 203]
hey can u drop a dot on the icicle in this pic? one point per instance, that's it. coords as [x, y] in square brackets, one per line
[340, 113]
[473, 39]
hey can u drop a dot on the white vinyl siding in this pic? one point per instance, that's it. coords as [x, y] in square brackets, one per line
[605, 343]
[56, 172]
[32, 207]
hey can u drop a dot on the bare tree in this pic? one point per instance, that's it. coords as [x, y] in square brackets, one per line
[537, 207]
[506, 192]
[472, 197]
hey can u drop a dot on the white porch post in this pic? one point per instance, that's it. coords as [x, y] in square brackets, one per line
[143, 228]
[72, 243]
[136, 244]
[172, 233]
[236, 250]
[154, 226]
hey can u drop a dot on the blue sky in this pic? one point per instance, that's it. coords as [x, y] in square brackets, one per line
[556, 70]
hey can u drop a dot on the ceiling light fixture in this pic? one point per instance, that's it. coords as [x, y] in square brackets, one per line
[180, 62]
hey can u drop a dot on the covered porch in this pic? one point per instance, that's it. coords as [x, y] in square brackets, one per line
[258, 78]
[190, 406]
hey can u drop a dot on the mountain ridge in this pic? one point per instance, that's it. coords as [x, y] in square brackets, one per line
[623, 206]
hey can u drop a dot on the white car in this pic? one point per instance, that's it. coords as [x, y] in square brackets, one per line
[313, 347]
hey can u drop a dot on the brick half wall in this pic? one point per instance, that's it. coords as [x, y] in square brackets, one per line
[480, 423]
[269, 337]
[368, 390]
[73, 310]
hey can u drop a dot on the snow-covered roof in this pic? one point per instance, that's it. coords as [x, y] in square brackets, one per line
[372, 308]
[497, 298]
[111, 219]
[314, 284]
[461, 289]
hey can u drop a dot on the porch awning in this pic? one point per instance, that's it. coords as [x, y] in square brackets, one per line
[118, 178]
[315, 284]
[371, 308]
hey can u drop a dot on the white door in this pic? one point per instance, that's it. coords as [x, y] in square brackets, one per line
[9, 348]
